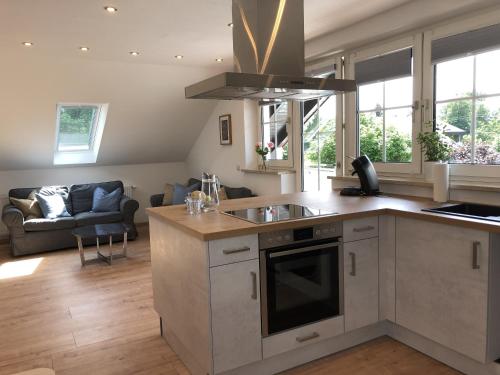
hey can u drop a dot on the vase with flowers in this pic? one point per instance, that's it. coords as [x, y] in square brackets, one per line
[263, 151]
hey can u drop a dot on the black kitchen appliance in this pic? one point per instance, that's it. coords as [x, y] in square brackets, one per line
[301, 276]
[278, 212]
[368, 179]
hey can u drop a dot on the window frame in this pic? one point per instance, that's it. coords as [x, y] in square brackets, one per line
[92, 130]
[273, 163]
[352, 130]
[314, 69]
[458, 171]
[87, 156]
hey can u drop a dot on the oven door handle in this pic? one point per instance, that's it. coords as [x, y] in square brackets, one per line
[303, 250]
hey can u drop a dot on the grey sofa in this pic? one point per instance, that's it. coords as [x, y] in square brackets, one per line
[38, 235]
[232, 193]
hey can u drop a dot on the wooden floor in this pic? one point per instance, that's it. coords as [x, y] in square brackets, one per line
[100, 320]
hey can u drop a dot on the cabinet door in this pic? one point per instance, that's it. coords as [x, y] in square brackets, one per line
[442, 284]
[360, 283]
[235, 303]
[387, 267]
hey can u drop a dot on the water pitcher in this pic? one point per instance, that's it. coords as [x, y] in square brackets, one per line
[210, 187]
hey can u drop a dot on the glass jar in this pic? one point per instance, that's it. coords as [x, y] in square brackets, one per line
[210, 187]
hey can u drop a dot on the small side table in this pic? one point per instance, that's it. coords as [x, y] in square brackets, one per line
[99, 231]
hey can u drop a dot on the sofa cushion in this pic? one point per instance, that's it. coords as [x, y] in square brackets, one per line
[181, 191]
[22, 193]
[82, 195]
[42, 224]
[168, 195]
[194, 181]
[29, 207]
[106, 202]
[62, 191]
[222, 194]
[92, 218]
[235, 193]
[52, 205]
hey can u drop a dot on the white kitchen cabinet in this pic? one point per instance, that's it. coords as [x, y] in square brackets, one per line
[442, 284]
[361, 290]
[387, 267]
[360, 229]
[236, 322]
[233, 249]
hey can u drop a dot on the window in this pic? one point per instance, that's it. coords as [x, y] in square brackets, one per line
[275, 119]
[77, 125]
[79, 132]
[319, 143]
[467, 98]
[384, 107]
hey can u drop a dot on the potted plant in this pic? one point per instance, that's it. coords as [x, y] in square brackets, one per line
[436, 151]
[262, 151]
[436, 168]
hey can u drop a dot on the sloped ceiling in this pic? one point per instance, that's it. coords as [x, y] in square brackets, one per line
[148, 119]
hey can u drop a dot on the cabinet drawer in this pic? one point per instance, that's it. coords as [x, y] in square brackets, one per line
[232, 250]
[360, 229]
[302, 336]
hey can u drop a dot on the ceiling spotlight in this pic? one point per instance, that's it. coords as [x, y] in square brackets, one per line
[231, 25]
[27, 44]
[134, 53]
[179, 57]
[84, 49]
[219, 60]
[110, 9]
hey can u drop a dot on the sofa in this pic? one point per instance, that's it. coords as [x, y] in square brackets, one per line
[232, 193]
[29, 236]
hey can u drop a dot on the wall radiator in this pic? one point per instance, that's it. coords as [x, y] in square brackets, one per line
[129, 190]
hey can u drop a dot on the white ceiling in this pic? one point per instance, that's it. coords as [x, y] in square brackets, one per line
[159, 29]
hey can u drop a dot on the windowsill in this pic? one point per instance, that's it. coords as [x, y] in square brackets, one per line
[422, 183]
[269, 171]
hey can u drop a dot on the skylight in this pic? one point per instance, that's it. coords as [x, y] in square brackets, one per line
[79, 132]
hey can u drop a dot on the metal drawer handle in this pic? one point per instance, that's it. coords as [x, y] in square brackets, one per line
[254, 284]
[363, 229]
[234, 251]
[353, 264]
[312, 336]
[476, 246]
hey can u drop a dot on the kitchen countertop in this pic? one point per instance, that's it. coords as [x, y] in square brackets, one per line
[215, 225]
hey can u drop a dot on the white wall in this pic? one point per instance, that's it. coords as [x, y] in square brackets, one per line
[207, 155]
[148, 178]
[148, 121]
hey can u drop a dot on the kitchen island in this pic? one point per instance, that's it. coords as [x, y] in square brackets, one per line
[428, 280]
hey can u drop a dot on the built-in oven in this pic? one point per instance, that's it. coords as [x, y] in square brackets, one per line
[301, 276]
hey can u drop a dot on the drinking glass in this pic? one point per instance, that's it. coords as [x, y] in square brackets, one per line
[193, 205]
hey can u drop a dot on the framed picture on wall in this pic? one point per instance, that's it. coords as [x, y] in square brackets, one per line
[225, 131]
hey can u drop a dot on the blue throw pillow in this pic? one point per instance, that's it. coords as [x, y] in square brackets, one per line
[106, 202]
[181, 191]
[52, 206]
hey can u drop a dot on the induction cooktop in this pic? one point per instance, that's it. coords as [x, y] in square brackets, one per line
[275, 213]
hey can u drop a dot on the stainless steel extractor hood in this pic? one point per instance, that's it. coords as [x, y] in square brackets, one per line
[268, 46]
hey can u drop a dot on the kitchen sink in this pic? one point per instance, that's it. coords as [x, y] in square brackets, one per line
[472, 210]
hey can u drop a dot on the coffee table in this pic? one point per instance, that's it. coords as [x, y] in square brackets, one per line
[99, 231]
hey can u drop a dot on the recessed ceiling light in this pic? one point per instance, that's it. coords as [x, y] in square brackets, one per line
[84, 49]
[27, 44]
[219, 60]
[134, 53]
[110, 9]
[179, 57]
[230, 24]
